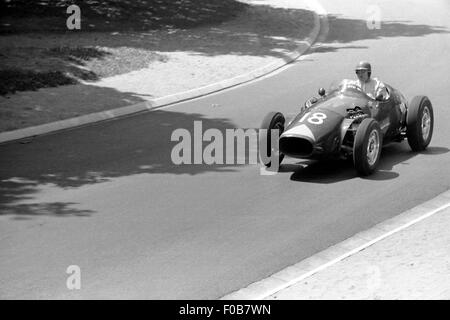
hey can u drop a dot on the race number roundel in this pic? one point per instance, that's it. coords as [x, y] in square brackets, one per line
[315, 118]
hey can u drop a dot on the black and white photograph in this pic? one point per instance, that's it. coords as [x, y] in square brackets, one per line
[242, 152]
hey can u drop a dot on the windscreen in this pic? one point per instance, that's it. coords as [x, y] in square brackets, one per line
[347, 86]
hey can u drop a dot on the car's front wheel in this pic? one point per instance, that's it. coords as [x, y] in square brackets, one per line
[367, 147]
[267, 149]
[419, 123]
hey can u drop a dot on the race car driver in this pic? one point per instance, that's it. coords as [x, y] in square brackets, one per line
[371, 86]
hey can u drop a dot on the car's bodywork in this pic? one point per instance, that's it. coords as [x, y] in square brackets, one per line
[326, 126]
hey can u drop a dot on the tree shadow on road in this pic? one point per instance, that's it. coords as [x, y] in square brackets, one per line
[343, 31]
[137, 145]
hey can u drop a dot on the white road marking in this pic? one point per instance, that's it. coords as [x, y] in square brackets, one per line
[267, 292]
[351, 252]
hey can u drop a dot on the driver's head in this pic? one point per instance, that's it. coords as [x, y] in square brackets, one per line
[363, 71]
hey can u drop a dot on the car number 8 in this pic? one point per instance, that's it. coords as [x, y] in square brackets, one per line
[316, 118]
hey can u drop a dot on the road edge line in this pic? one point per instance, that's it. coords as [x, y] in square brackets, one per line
[281, 280]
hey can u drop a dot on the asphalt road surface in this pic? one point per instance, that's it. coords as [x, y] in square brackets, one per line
[108, 198]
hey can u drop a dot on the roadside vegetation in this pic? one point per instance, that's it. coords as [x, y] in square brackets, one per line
[37, 50]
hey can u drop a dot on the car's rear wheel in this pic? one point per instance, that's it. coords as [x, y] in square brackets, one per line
[367, 147]
[419, 123]
[273, 120]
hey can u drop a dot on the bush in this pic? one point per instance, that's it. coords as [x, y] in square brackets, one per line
[12, 80]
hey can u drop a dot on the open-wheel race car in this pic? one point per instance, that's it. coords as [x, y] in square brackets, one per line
[347, 123]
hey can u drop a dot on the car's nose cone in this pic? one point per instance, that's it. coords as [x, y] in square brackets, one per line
[296, 146]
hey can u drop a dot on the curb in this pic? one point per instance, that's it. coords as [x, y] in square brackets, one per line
[31, 132]
[296, 273]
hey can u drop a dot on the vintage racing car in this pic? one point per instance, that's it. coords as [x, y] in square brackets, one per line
[347, 123]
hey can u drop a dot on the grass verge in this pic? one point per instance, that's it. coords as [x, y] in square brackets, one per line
[236, 38]
[66, 61]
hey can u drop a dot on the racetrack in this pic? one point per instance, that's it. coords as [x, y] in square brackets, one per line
[109, 199]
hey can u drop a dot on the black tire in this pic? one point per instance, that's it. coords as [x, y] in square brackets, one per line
[273, 120]
[419, 123]
[367, 147]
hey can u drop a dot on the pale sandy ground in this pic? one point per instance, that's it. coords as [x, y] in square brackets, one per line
[248, 48]
[187, 71]
[188, 59]
[413, 264]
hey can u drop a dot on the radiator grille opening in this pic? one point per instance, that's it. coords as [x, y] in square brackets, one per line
[295, 146]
